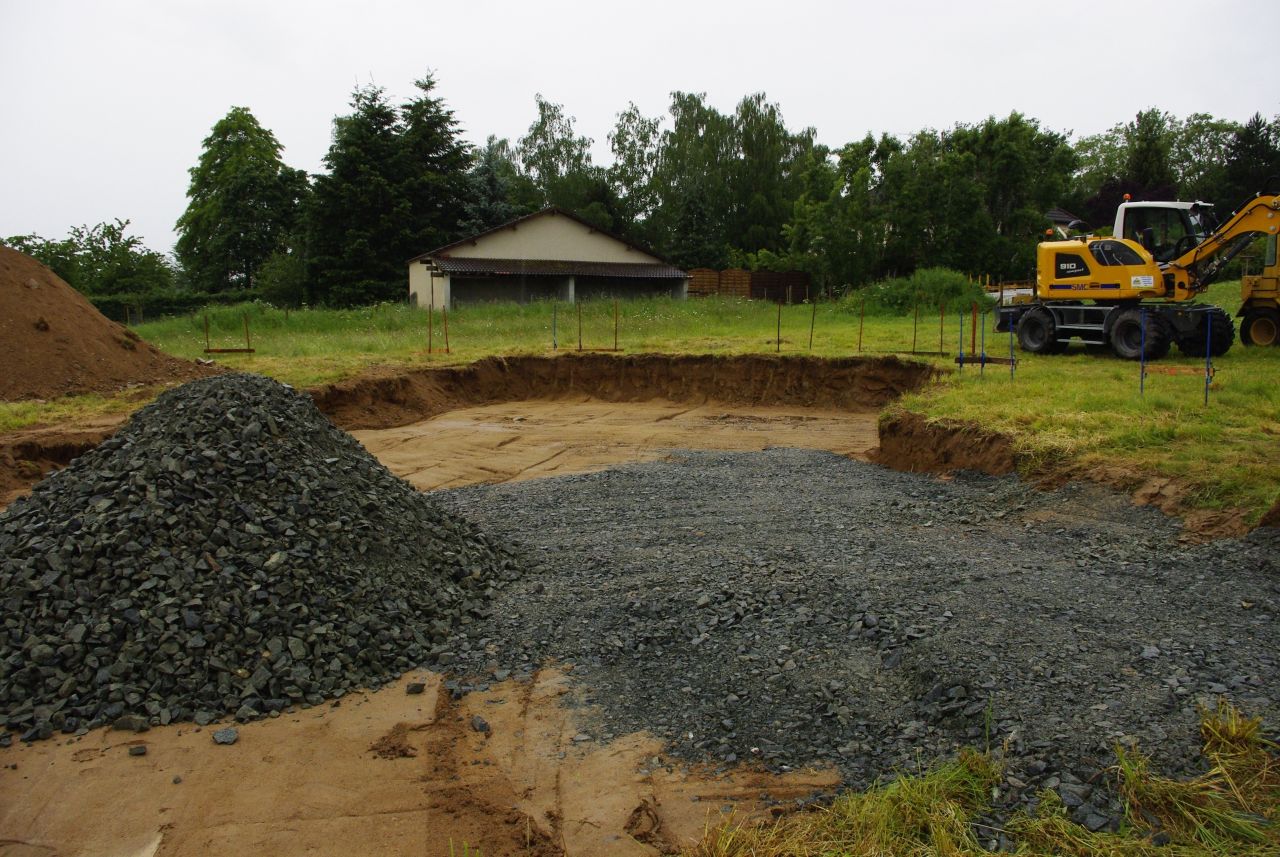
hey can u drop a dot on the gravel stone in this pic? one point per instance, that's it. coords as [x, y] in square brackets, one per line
[794, 607]
[138, 750]
[228, 551]
[230, 735]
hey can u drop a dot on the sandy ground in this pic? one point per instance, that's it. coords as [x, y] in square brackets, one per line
[526, 440]
[381, 773]
[393, 773]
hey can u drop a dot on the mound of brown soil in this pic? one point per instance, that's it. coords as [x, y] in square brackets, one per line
[56, 343]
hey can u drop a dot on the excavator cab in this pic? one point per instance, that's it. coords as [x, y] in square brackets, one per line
[1165, 229]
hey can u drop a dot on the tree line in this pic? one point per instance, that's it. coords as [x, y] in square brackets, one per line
[701, 187]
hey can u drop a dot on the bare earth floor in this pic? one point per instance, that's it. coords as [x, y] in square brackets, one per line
[393, 773]
[526, 440]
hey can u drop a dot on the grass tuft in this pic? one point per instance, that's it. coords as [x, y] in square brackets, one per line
[1230, 811]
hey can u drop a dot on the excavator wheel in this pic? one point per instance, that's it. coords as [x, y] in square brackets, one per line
[1038, 334]
[1127, 336]
[1224, 333]
[1260, 327]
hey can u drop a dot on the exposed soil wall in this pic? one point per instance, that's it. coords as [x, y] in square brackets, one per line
[909, 442]
[393, 399]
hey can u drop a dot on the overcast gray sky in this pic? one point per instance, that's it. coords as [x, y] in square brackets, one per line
[105, 104]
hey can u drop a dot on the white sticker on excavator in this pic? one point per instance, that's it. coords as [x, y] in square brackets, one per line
[1143, 281]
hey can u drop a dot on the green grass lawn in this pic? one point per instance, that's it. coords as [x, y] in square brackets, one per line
[1078, 407]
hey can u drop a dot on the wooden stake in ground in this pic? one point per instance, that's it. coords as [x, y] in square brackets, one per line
[813, 320]
[778, 341]
[615, 324]
[444, 314]
[579, 324]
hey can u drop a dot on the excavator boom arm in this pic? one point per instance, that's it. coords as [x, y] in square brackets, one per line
[1259, 216]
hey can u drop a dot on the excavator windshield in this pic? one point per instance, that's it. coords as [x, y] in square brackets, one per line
[1166, 226]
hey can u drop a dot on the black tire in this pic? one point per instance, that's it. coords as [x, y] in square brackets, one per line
[1260, 327]
[1224, 334]
[1038, 333]
[1127, 336]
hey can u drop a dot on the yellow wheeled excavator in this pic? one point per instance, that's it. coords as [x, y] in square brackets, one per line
[1135, 290]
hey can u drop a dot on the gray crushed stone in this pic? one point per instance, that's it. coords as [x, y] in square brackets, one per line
[229, 551]
[795, 607]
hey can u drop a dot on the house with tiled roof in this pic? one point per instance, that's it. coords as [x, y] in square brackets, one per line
[548, 255]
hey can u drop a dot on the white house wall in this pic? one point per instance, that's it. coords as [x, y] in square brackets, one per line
[551, 236]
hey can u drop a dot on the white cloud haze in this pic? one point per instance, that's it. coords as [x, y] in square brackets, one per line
[106, 103]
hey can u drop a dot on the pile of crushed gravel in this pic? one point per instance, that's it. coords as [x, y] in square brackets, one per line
[228, 551]
[793, 607]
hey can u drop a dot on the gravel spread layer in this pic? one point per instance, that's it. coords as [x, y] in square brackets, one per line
[795, 607]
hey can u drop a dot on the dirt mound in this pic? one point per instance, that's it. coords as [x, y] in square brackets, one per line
[57, 343]
[403, 397]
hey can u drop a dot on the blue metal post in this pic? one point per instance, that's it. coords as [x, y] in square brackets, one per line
[1142, 355]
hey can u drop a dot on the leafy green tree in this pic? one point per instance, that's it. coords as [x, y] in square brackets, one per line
[1149, 141]
[395, 187]
[635, 141]
[693, 183]
[101, 260]
[1100, 158]
[243, 200]
[1252, 162]
[552, 151]
[763, 179]
[1198, 154]
[559, 162]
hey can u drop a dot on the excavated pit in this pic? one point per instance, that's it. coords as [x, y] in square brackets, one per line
[702, 401]
[790, 390]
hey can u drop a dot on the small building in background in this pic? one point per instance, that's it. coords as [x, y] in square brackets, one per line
[550, 254]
